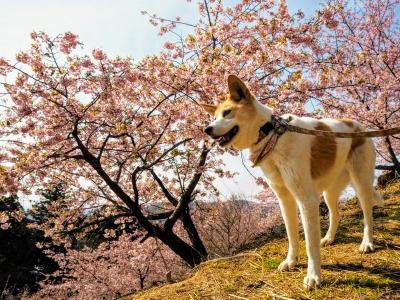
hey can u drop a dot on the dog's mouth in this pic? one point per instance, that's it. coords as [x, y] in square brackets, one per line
[227, 137]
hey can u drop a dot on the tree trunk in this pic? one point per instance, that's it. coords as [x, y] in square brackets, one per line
[193, 234]
[190, 255]
[141, 278]
[393, 157]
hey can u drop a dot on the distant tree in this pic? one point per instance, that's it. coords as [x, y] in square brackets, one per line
[40, 212]
[227, 226]
[23, 265]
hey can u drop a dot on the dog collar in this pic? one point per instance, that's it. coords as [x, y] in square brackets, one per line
[266, 129]
[278, 127]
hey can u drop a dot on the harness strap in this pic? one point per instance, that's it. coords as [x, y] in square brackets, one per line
[277, 126]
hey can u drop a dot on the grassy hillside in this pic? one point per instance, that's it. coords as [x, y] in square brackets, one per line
[347, 274]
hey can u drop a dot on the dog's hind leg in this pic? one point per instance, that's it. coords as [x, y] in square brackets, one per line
[289, 212]
[331, 196]
[361, 171]
[365, 195]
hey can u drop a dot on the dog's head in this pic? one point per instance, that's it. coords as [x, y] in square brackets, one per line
[238, 119]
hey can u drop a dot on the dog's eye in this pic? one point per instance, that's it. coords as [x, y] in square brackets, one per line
[226, 112]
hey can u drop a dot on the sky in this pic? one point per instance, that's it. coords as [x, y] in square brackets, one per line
[119, 28]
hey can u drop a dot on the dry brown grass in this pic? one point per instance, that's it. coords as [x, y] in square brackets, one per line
[347, 274]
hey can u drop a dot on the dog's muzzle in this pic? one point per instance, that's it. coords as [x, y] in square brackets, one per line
[225, 138]
[208, 130]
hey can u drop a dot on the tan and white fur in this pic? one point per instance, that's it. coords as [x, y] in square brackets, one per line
[300, 168]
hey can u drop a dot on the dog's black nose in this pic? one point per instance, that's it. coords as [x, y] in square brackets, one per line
[208, 130]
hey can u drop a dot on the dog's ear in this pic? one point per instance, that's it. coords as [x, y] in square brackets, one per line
[237, 89]
[210, 108]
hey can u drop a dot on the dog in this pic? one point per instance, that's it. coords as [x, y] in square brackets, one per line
[299, 168]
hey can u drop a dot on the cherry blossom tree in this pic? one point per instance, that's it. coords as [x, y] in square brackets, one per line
[357, 67]
[119, 134]
[100, 126]
[340, 62]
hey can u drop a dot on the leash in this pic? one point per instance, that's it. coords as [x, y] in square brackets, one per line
[278, 126]
[371, 133]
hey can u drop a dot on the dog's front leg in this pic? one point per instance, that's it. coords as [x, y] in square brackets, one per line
[309, 211]
[288, 207]
[308, 203]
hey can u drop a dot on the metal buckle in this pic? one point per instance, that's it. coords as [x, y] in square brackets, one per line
[281, 125]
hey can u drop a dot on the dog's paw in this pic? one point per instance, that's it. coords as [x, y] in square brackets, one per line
[366, 247]
[311, 282]
[287, 265]
[327, 240]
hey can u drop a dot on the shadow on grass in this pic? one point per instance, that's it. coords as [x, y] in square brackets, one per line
[386, 272]
[366, 283]
[380, 244]
[354, 223]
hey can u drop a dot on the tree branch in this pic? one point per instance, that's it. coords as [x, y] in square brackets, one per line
[119, 192]
[160, 216]
[187, 195]
[77, 229]
[146, 167]
[167, 194]
[385, 167]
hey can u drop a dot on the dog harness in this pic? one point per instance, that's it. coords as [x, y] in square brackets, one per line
[278, 127]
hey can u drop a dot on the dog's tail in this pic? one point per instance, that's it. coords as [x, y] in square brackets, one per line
[377, 199]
